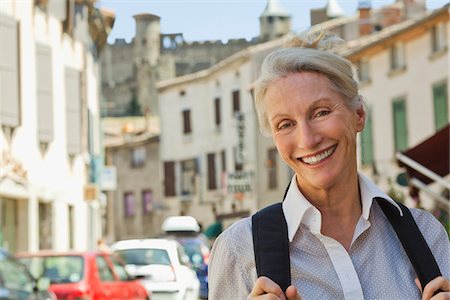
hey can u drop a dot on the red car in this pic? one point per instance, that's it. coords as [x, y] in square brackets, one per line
[84, 275]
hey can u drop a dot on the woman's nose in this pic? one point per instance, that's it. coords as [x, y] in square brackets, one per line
[307, 136]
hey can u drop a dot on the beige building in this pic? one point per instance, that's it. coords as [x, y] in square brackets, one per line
[135, 208]
[49, 115]
[217, 166]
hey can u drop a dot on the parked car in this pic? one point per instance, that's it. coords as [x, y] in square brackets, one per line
[84, 275]
[164, 266]
[186, 231]
[16, 282]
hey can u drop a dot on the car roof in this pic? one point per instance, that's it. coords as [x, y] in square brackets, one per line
[46, 253]
[144, 243]
[180, 223]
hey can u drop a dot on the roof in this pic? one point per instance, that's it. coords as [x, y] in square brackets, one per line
[355, 47]
[273, 9]
[44, 253]
[143, 243]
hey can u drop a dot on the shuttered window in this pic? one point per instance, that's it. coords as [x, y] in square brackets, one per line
[400, 124]
[367, 141]
[73, 111]
[212, 181]
[187, 121]
[169, 178]
[217, 111]
[44, 85]
[440, 102]
[9, 73]
[236, 101]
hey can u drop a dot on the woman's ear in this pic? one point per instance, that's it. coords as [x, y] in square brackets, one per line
[360, 117]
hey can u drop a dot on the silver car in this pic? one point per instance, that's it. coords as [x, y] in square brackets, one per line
[16, 282]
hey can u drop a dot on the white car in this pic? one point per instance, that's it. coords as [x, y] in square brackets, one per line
[163, 267]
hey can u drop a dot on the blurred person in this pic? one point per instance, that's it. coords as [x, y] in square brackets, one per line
[341, 244]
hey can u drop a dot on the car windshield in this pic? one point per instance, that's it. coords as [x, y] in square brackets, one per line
[193, 249]
[143, 257]
[59, 269]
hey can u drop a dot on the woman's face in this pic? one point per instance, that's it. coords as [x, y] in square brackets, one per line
[313, 129]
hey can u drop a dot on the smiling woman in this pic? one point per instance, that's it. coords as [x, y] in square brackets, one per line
[307, 99]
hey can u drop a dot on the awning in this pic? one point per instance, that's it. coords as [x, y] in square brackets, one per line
[433, 153]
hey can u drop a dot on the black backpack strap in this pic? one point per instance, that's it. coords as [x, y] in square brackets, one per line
[412, 240]
[271, 245]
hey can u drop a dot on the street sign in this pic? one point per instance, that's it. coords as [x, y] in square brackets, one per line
[108, 178]
[239, 182]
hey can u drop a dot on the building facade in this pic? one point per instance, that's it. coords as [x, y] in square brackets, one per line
[49, 112]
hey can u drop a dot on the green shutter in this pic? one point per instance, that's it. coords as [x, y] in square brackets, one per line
[400, 125]
[440, 105]
[367, 142]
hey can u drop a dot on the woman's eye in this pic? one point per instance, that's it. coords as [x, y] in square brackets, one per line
[284, 125]
[322, 113]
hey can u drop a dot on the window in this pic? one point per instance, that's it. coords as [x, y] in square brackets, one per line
[397, 56]
[440, 102]
[223, 160]
[73, 111]
[129, 204]
[367, 141]
[217, 111]
[236, 101]
[188, 176]
[138, 157]
[45, 226]
[9, 72]
[169, 178]
[187, 121]
[212, 183]
[272, 168]
[147, 201]
[104, 271]
[438, 37]
[44, 84]
[238, 164]
[119, 269]
[400, 124]
[363, 70]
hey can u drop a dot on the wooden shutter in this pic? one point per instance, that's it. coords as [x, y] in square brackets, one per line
[212, 183]
[9, 72]
[169, 178]
[400, 125]
[236, 101]
[73, 111]
[44, 82]
[217, 111]
[367, 141]
[272, 168]
[440, 105]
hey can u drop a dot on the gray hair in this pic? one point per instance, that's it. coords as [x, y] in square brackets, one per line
[307, 54]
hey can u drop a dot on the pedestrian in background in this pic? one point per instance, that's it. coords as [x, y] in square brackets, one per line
[341, 244]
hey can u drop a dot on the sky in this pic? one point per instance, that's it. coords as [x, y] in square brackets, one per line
[201, 20]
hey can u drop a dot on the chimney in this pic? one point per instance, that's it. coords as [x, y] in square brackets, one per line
[365, 22]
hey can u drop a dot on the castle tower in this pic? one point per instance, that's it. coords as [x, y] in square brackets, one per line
[274, 21]
[147, 47]
[147, 39]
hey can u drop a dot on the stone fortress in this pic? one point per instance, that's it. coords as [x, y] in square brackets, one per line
[131, 70]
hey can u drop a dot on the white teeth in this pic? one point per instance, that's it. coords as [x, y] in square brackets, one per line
[319, 157]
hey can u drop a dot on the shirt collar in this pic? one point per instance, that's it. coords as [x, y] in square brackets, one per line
[297, 209]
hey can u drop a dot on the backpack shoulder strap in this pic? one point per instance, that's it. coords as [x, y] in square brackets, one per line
[412, 240]
[271, 245]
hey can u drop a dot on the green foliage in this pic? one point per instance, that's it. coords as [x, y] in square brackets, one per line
[134, 108]
[394, 193]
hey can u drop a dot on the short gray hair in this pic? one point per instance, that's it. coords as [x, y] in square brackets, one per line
[299, 55]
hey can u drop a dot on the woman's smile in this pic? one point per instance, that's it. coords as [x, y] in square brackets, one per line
[319, 157]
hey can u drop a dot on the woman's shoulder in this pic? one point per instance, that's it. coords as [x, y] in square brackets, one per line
[240, 229]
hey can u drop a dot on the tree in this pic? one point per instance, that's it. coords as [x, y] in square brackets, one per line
[134, 108]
